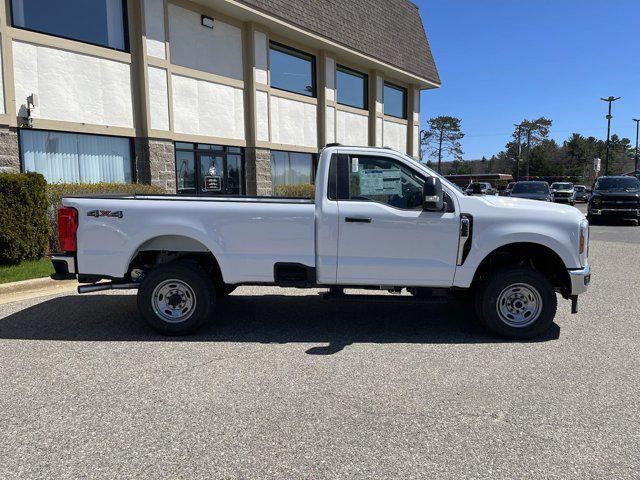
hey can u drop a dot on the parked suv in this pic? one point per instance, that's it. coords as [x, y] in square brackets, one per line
[532, 191]
[615, 197]
[563, 192]
[480, 188]
[581, 194]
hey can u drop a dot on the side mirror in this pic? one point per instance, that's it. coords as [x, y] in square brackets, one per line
[433, 195]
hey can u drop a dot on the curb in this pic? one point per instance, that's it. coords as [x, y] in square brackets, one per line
[37, 287]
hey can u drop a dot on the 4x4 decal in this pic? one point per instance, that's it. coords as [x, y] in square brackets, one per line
[105, 213]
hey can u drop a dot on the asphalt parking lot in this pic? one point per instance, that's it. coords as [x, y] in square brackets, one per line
[287, 385]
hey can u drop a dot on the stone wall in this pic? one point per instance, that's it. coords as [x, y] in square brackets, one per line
[9, 150]
[156, 163]
[258, 171]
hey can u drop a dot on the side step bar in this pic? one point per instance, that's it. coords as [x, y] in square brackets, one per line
[99, 287]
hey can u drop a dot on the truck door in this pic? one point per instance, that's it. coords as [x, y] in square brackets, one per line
[385, 237]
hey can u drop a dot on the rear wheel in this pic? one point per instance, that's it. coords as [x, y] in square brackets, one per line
[176, 298]
[517, 303]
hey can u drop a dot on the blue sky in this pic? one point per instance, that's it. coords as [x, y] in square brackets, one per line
[504, 60]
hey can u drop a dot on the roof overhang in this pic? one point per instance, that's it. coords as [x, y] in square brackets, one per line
[246, 13]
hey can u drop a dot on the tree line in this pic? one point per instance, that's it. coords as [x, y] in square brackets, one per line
[539, 156]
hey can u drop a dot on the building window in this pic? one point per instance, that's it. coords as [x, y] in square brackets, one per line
[353, 88]
[76, 158]
[395, 101]
[292, 70]
[99, 22]
[204, 169]
[291, 168]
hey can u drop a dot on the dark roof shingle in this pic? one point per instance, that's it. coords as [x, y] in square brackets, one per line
[388, 30]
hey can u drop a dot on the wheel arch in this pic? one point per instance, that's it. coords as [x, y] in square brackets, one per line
[540, 257]
[163, 249]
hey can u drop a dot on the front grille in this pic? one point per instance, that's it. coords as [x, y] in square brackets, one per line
[562, 195]
[620, 203]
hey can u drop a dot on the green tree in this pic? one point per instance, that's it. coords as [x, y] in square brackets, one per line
[531, 134]
[443, 139]
[460, 167]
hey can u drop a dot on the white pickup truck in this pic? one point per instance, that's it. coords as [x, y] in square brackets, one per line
[379, 220]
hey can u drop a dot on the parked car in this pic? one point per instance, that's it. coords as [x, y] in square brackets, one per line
[581, 193]
[615, 196]
[507, 191]
[563, 192]
[480, 188]
[533, 190]
[379, 220]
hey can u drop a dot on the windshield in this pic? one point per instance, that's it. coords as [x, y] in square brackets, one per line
[562, 186]
[580, 188]
[530, 187]
[629, 184]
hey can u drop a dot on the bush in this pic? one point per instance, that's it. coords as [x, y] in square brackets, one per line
[55, 192]
[303, 190]
[24, 228]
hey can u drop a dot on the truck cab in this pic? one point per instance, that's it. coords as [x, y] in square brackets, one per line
[379, 220]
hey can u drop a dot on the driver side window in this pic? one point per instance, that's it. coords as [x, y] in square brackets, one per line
[384, 180]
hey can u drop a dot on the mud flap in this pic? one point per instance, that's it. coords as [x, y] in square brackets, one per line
[574, 304]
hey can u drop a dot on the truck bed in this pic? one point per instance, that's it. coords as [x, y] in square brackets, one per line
[247, 235]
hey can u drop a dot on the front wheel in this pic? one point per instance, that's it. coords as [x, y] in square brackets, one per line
[517, 302]
[176, 298]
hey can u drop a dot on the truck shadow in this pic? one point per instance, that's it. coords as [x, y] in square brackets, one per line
[261, 319]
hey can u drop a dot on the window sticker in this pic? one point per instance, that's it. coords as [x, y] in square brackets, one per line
[354, 165]
[380, 182]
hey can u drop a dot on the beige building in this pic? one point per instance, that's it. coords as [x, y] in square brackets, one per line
[210, 97]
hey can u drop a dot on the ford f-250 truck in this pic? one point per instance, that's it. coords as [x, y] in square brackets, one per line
[379, 220]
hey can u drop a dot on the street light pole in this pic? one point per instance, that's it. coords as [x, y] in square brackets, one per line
[637, 120]
[518, 126]
[609, 117]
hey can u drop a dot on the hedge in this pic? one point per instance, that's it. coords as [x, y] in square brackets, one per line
[303, 190]
[24, 227]
[55, 192]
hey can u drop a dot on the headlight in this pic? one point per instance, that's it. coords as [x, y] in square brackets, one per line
[583, 241]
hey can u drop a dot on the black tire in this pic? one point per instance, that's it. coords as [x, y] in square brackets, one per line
[199, 293]
[534, 289]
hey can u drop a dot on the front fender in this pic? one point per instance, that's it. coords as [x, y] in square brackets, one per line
[486, 240]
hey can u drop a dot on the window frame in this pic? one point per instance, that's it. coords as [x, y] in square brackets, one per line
[356, 73]
[125, 26]
[340, 167]
[132, 151]
[294, 52]
[405, 99]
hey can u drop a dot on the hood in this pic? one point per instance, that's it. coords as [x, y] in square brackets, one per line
[615, 194]
[533, 206]
[562, 190]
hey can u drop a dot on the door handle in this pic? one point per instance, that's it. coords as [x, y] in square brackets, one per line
[357, 220]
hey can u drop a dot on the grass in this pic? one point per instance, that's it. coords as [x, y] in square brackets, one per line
[26, 270]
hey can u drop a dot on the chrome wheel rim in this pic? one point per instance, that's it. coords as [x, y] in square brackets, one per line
[519, 305]
[173, 301]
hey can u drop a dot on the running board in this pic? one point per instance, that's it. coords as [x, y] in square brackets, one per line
[99, 287]
[345, 297]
